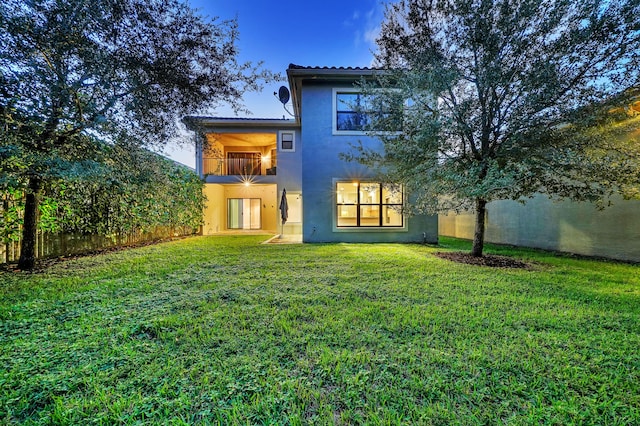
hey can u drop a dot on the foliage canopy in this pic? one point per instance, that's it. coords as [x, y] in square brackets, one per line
[507, 98]
[118, 69]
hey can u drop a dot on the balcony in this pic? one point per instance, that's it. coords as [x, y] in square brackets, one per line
[245, 165]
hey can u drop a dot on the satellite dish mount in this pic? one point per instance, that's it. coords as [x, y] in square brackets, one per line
[283, 95]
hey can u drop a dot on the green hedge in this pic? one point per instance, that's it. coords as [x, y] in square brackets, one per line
[137, 191]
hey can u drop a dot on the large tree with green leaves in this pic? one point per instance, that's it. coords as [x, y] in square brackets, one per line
[507, 98]
[107, 68]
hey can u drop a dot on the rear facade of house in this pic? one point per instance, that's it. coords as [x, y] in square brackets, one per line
[246, 165]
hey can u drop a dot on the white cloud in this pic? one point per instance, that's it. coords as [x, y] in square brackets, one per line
[369, 26]
[371, 34]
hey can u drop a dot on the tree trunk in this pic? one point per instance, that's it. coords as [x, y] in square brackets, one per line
[478, 236]
[29, 228]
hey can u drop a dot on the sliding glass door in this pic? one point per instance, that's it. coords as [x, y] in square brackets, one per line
[243, 163]
[244, 213]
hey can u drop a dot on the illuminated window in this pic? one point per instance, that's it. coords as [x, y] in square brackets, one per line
[368, 204]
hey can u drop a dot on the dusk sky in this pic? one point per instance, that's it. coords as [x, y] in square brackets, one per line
[322, 33]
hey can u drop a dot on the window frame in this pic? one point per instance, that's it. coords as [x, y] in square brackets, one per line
[335, 92]
[334, 121]
[380, 204]
[293, 141]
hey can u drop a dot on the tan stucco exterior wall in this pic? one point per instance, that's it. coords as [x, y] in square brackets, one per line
[215, 210]
[565, 226]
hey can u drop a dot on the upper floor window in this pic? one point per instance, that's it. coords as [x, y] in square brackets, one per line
[351, 112]
[356, 113]
[287, 141]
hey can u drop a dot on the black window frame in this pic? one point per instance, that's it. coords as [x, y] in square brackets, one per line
[360, 117]
[363, 109]
[380, 204]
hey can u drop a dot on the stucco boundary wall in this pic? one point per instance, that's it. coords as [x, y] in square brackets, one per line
[564, 226]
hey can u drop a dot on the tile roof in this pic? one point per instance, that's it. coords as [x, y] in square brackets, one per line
[204, 117]
[302, 67]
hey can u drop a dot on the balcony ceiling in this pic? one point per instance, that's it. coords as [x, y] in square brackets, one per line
[242, 139]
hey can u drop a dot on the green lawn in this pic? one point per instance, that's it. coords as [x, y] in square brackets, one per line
[223, 330]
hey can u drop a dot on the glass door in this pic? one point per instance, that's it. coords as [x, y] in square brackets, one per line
[244, 213]
[243, 163]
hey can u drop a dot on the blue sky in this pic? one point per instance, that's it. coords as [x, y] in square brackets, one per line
[303, 32]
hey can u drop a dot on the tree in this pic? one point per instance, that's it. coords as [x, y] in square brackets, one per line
[108, 68]
[507, 98]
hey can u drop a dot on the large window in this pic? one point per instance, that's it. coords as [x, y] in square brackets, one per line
[368, 204]
[351, 112]
[356, 113]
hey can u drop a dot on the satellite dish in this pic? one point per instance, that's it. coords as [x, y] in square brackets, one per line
[283, 94]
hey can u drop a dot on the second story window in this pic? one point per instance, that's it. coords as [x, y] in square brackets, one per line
[351, 112]
[357, 113]
[287, 141]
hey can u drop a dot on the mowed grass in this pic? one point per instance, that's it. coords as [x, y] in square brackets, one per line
[224, 330]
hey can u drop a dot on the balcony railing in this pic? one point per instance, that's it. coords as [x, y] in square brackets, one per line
[217, 166]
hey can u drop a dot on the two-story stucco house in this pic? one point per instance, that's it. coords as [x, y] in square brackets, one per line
[246, 164]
